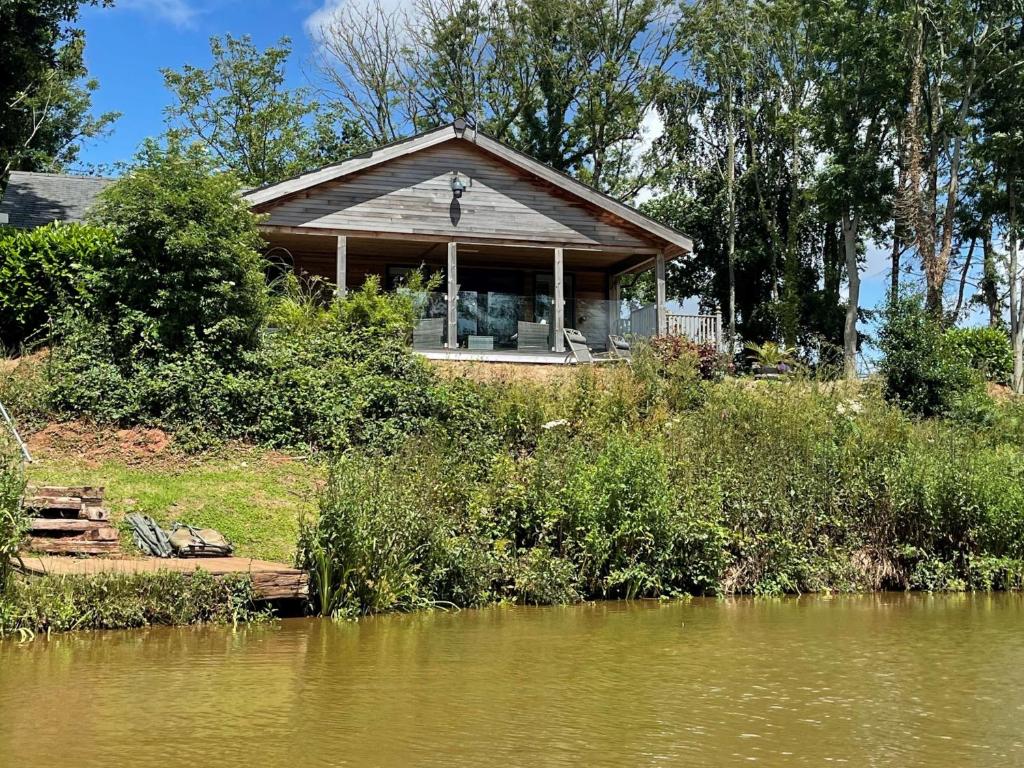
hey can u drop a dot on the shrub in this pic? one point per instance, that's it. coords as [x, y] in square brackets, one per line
[37, 271]
[923, 370]
[188, 270]
[119, 601]
[13, 521]
[985, 349]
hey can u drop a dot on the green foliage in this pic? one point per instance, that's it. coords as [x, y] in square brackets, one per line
[985, 349]
[45, 95]
[924, 370]
[117, 601]
[188, 272]
[13, 521]
[240, 110]
[802, 488]
[38, 269]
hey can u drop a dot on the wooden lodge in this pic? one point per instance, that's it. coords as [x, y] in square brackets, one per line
[524, 251]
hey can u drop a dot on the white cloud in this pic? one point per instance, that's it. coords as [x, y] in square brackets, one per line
[180, 13]
[323, 15]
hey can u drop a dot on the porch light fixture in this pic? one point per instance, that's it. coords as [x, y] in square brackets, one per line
[457, 186]
[460, 126]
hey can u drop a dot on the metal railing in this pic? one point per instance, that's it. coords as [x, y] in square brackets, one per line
[14, 431]
[702, 329]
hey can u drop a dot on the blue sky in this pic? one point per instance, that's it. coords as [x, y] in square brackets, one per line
[128, 44]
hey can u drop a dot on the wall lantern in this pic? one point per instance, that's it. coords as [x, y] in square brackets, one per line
[460, 126]
[457, 187]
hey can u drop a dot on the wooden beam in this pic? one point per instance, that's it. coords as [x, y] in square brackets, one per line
[559, 300]
[426, 237]
[661, 311]
[614, 304]
[342, 267]
[453, 296]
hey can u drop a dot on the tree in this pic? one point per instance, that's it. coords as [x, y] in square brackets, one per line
[858, 48]
[188, 269]
[240, 110]
[566, 82]
[45, 96]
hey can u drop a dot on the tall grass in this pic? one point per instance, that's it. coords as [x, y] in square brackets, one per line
[660, 483]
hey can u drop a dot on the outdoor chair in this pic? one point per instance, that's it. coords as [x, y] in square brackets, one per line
[533, 336]
[619, 348]
[428, 334]
[580, 352]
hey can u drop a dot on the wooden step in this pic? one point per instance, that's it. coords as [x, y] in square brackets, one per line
[69, 546]
[81, 491]
[65, 524]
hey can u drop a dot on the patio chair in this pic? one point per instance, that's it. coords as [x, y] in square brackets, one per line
[580, 352]
[428, 333]
[619, 348]
[533, 336]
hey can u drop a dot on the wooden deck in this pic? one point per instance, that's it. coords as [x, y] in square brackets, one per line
[271, 581]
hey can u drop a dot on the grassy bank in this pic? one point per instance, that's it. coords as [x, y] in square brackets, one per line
[63, 603]
[652, 482]
[254, 496]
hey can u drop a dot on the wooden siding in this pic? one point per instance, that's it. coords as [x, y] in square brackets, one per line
[412, 195]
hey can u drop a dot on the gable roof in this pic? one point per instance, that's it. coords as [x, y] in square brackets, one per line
[267, 195]
[34, 199]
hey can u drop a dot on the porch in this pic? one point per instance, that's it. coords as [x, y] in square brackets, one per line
[496, 302]
[523, 251]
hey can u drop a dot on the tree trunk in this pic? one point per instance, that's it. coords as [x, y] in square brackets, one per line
[730, 185]
[990, 276]
[853, 275]
[1016, 288]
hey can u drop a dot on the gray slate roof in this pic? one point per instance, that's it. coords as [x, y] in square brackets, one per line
[34, 199]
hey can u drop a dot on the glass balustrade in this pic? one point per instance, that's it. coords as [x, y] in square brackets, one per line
[492, 321]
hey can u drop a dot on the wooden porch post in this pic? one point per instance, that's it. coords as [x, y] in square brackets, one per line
[660, 310]
[559, 301]
[453, 297]
[614, 304]
[342, 267]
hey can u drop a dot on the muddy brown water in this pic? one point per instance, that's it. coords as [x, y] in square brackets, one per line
[879, 680]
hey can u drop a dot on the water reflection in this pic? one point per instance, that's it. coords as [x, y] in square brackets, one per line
[873, 680]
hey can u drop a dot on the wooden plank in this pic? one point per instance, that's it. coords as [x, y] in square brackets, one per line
[88, 491]
[53, 502]
[65, 524]
[70, 546]
[271, 581]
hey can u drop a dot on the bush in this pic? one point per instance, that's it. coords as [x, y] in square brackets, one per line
[37, 272]
[188, 271]
[923, 369]
[119, 601]
[985, 349]
[766, 490]
[13, 521]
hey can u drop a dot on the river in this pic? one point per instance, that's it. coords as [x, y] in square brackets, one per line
[876, 680]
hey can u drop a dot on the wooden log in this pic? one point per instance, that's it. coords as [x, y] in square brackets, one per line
[69, 546]
[65, 524]
[92, 512]
[52, 502]
[103, 533]
[81, 491]
[280, 585]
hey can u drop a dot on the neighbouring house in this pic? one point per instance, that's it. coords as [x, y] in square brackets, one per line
[524, 251]
[35, 199]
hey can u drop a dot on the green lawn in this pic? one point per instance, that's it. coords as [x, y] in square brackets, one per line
[254, 497]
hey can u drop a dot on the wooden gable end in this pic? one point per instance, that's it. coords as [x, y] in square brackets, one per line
[411, 194]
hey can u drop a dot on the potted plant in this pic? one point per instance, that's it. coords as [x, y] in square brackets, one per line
[770, 360]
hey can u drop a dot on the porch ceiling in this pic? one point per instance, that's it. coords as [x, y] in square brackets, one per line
[404, 250]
